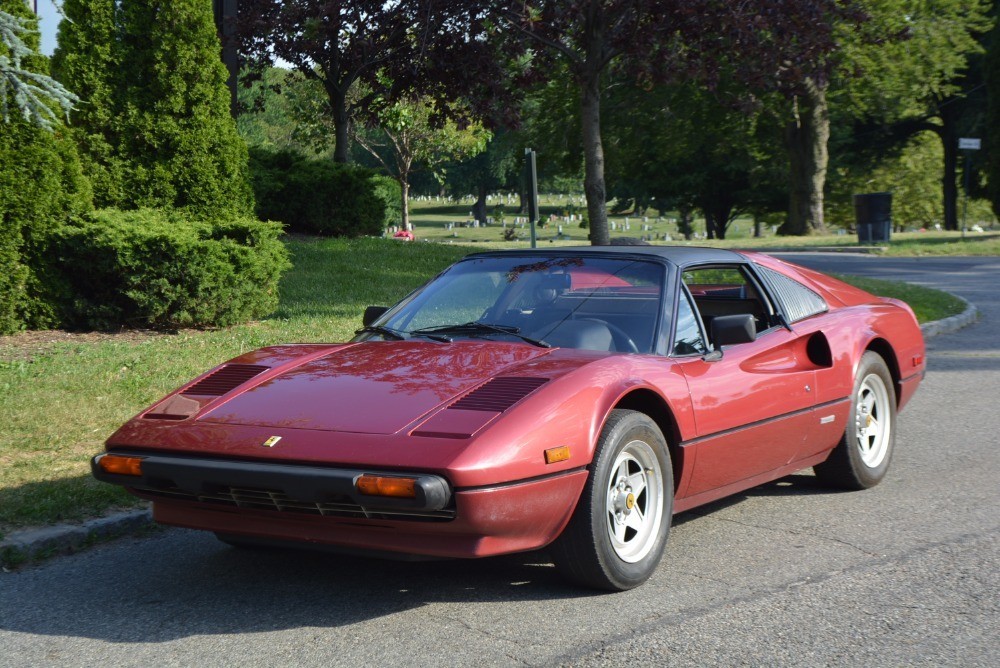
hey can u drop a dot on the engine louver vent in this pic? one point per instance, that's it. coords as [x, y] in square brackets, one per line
[225, 379]
[499, 394]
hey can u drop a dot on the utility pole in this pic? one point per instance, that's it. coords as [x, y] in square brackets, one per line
[226, 12]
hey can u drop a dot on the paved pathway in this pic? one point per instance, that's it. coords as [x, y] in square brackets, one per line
[907, 573]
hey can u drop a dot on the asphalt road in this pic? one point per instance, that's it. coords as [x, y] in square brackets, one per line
[905, 574]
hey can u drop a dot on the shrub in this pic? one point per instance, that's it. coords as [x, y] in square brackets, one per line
[317, 196]
[387, 189]
[153, 268]
[41, 184]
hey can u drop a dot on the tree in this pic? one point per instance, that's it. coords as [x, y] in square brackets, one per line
[499, 166]
[40, 178]
[178, 138]
[85, 61]
[917, 84]
[388, 50]
[406, 139]
[761, 43]
[991, 80]
[36, 96]
[696, 151]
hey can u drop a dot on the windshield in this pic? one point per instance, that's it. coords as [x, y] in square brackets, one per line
[595, 303]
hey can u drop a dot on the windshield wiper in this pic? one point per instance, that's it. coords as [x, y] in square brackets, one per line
[473, 328]
[384, 331]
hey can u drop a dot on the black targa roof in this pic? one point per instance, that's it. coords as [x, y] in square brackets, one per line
[681, 256]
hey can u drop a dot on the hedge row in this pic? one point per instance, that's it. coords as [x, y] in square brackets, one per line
[321, 196]
[153, 268]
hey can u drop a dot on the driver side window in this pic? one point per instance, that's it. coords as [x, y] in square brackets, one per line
[688, 339]
[727, 290]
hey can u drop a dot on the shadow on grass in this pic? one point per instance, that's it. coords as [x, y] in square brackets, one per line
[47, 502]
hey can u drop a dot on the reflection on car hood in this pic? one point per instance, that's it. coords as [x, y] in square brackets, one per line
[374, 387]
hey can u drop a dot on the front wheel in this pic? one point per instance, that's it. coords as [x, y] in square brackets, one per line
[617, 534]
[862, 457]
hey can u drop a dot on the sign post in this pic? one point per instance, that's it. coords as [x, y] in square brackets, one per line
[967, 144]
[531, 187]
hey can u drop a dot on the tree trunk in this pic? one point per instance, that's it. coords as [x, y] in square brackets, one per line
[685, 222]
[949, 181]
[717, 215]
[341, 124]
[806, 138]
[479, 208]
[404, 190]
[709, 224]
[593, 155]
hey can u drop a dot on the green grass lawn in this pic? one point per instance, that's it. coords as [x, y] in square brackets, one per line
[62, 395]
[431, 221]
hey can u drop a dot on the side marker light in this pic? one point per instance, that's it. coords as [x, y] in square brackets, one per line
[560, 454]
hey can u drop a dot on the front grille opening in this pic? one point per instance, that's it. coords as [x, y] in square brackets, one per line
[276, 500]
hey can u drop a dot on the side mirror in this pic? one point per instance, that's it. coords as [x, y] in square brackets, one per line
[373, 313]
[728, 330]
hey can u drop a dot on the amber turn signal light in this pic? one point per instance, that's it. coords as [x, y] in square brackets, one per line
[560, 454]
[120, 464]
[373, 485]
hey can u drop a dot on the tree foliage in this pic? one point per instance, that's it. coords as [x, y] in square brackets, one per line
[366, 51]
[25, 86]
[178, 137]
[41, 184]
[85, 60]
[918, 84]
[762, 44]
[405, 139]
[155, 124]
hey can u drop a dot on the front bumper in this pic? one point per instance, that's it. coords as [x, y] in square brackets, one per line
[320, 505]
[283, 487]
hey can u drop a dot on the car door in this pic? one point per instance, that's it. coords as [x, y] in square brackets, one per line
[752, 403]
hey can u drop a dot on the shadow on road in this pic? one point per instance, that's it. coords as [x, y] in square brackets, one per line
[183, 583]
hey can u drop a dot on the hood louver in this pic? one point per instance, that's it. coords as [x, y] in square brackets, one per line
[225, 379]
[498, 394]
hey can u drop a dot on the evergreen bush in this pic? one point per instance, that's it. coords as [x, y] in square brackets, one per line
[154, 268]
[319, 196]
[387, 189]
[41, 185]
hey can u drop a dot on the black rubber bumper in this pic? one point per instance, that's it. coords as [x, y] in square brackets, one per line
[196, 477]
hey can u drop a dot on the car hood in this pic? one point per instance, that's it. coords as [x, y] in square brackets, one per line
[374, 387]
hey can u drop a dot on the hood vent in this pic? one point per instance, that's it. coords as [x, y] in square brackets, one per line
[498, 394]
[225, 379]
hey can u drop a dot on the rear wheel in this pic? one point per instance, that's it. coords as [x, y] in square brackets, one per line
[862, 457]
[617, 534]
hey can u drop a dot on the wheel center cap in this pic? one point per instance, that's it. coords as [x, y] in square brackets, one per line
[630, 501]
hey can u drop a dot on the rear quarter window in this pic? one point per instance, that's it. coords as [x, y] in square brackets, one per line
[797, 301]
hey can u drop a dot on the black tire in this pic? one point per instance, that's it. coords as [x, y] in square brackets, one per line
[616, 537]
[862, 457]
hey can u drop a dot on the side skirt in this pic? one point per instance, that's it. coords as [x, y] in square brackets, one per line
[687, 503]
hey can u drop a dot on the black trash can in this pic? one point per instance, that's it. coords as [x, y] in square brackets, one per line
[873, 213]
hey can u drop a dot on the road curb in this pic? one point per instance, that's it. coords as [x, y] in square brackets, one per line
[952, 324]
[30, 545]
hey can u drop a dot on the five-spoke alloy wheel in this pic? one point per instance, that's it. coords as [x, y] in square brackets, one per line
[617, 534]
[862, 457]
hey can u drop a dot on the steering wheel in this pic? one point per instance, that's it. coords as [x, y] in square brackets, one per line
[623, 342]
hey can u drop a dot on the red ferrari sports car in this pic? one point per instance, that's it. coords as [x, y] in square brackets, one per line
[574, 398]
